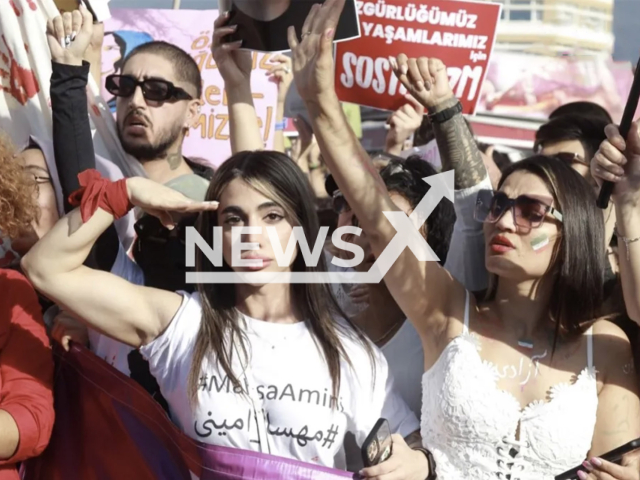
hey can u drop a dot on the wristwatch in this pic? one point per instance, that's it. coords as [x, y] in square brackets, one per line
[431, 462]
[446, 114]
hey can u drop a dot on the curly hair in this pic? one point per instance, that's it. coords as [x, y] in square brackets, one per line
[405, 177]
[18, 207]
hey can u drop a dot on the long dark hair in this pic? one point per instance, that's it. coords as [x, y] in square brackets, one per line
[576, 270]
[276, 176]
[406, 179]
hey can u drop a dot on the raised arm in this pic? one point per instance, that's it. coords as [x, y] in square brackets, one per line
[235, 68]
[422, 289]
[458, 149]
[129, 313]
[619, 162]
[458, 152]
[402, 124]
[72, 139]
[283, 76]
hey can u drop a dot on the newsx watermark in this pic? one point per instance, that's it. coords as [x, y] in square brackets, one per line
[407, 236]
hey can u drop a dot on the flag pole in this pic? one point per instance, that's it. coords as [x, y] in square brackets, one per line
[176, 4]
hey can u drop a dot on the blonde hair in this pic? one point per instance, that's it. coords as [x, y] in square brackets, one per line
[18, 206]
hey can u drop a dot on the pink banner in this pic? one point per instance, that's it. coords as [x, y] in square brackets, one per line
[533, 86]
[109, 428]
[190, 30]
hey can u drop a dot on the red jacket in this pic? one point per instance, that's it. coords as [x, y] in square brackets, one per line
[26, 369]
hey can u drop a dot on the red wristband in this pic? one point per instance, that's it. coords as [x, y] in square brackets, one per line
[97, 192]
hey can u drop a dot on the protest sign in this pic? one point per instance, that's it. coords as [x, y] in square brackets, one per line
[533, 86]
[461, 34]
[191, 30]
[262, 25]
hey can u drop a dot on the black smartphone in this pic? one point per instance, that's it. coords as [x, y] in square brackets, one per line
[378, 446]
[614, 456]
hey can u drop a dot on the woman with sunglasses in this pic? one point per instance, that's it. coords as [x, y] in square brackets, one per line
[522, 385]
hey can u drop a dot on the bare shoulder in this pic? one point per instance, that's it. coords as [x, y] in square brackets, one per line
[611, 348]
[606, 331]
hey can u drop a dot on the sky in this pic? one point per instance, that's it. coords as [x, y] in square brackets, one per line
[626, 15]
[625, 26]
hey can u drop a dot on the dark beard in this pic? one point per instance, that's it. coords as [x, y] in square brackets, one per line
[144, 152]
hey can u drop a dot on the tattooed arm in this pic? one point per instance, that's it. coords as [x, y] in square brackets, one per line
[458, 148]
[427, 81]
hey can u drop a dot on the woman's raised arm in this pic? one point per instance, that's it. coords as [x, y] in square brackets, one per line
[131, 314]
[422, 289]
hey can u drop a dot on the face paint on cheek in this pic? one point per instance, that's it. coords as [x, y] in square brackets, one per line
[540, 242]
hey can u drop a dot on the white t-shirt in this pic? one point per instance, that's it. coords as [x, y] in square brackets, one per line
[405, 357]
[112, 351]
[291, 381]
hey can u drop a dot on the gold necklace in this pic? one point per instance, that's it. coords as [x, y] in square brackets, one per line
[389, 332]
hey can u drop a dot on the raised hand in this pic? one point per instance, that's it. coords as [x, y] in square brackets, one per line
[618, 161]
[426, 79]
[234, 64]
[282, 74]
[69, 36]
[403, 123]
[313, 53]
[161, 201]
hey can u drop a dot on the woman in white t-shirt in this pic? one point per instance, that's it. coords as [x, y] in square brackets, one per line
[311, 376]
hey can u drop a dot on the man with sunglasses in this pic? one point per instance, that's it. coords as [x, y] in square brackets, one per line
[158, 97]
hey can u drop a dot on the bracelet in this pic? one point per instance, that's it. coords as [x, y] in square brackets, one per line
[280, 126]
[446, 114]
[431, 461]
[627, 241]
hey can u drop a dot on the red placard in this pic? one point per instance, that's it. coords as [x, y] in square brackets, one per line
[459, 33]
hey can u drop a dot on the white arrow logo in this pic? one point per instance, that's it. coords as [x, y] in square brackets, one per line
[407, 236]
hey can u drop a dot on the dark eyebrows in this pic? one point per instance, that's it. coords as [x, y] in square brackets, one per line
[235, 210]
[267, 205]
[147, 77]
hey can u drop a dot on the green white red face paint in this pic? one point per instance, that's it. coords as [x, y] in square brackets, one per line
[539, 242]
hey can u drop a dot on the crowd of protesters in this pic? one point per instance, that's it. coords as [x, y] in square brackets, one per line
[511, 357]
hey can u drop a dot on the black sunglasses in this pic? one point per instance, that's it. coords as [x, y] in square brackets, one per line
[527, 212]
[153, 89]
[339, 203]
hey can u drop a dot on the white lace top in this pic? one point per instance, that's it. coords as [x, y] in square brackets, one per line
[470, 425]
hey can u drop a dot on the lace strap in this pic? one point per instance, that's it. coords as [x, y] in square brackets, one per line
[590, 347]
[466, 312]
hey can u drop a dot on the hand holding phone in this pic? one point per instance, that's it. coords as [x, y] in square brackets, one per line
[378, 446]
[614, 456]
